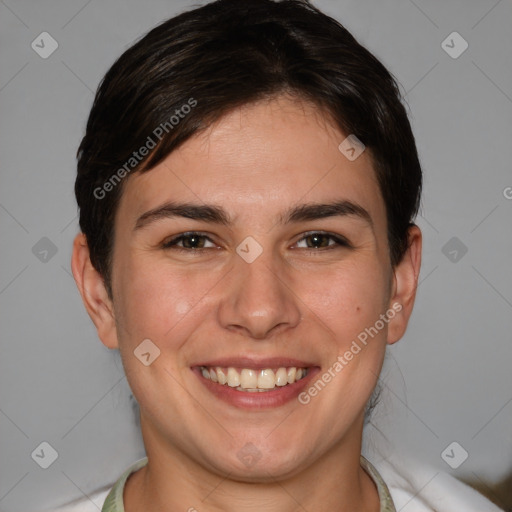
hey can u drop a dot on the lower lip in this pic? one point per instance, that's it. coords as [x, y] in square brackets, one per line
[257, 400]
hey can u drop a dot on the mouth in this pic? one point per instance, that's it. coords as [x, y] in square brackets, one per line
[249, 380]
[247, 383]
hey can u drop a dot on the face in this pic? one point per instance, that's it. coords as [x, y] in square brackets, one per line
[255, 253]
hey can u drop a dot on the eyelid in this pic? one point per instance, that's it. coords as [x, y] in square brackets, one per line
[171, 242]
[340, 240]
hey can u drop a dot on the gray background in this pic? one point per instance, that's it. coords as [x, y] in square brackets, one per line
[449, 379]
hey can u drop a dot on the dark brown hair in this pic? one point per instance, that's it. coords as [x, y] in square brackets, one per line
[196, 67]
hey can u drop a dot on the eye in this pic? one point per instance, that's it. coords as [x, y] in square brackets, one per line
[320, 240]
[189, 241]
[194, 241]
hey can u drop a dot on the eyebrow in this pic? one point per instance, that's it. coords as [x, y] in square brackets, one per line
[217, 215]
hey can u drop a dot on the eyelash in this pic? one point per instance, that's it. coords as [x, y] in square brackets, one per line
[339, 241]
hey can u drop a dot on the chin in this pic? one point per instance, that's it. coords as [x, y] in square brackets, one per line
[252, 464]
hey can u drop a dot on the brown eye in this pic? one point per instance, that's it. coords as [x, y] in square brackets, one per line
[189, 241]
[319, 240]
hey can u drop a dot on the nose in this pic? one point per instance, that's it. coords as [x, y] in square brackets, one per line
[257, 300]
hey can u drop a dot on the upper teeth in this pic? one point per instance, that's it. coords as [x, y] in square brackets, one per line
[249, 379]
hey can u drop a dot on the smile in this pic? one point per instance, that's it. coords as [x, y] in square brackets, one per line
[251, 380]
[255, 383]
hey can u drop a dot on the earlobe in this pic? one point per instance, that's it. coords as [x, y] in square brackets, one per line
[94, 293]
[404, 287]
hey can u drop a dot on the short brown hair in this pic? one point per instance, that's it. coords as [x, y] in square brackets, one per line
[223, 55]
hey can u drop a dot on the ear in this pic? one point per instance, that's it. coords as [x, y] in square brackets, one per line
[94, 293]
[404, 286]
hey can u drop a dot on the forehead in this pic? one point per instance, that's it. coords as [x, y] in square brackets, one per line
[258, 159]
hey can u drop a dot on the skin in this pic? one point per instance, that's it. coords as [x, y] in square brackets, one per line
[293, 301]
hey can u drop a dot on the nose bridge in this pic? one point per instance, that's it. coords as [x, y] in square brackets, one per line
[257, 299]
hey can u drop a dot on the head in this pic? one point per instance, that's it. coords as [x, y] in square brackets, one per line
[223, 216]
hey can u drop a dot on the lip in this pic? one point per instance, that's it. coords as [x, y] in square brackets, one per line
[257, 363]
[277, 397]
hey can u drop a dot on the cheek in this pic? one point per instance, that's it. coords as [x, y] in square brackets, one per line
[161, 302]
[348, 300]
[165, 306]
